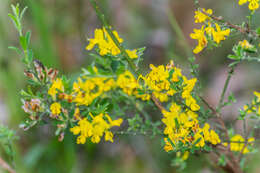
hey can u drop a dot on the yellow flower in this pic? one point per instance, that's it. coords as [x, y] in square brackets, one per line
[219, 35]
[109, 136]
[77, 114]
[206, 132]
[127, 82]
[185, 155]
[132, 53]
[238, 142]
[167, 147]
[199, 137]
[201, 38]
[56, 85]
[214, 138]
[55, 108]
[253, 4]
[84, 92]
[95, 129]
[247, 110]
[201, 17]
[209, 29]
[106, 44]
[176, 74]
[245, 44]
[241, 2]
[75, 130]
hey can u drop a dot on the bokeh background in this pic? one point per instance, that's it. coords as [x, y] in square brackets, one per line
[60, 29]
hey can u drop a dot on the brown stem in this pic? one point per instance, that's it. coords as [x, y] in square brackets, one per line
[235, 167]
[246, 30]
[157, 103]
[5, 166]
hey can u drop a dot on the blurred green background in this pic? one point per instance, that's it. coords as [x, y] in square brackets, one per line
[60, 30]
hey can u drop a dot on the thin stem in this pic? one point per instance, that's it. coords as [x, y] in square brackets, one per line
[230, 73]
[229, 24]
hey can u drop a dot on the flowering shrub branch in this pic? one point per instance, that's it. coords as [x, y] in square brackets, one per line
[93, 106]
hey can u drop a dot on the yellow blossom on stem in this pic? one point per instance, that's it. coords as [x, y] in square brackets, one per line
[127, 82]
[209, 29]
[55, 108]
[95, 129]
[219, 35]
[56, 85]
[253, 4]
[106, 44]
[201, 17]
[77, 114]
[199, 140]
[185, 156]
[84, 92]
[132, 53]
[241, 2]
[238, 144]
[199, 35]
[167, 147]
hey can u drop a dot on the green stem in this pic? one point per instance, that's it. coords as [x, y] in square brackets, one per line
[104, 22]
[230, 73]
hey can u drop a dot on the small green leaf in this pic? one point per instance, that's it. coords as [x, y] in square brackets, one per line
[28, 37]
[258, 30]
[23, 42]
[233, 57]
[17, 50]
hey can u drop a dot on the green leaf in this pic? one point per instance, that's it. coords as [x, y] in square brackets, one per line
[192, 59]
[23, 42]
[22, 13]
[17, 50]
[258, 30]
[28, 37]
[16, 24]
[233, 64]
[231, 98]
[233, 57]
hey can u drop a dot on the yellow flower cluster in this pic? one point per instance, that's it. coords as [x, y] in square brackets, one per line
[84, 92]
[127, 82]
[95, 129]
[56, 86]
[158, 81]
[106, 45]
[238, 143]
[201, 16]
[217, 34]
[188, 86]
[183, 127]
[255, 107]
[253, 4]
[55, 108]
